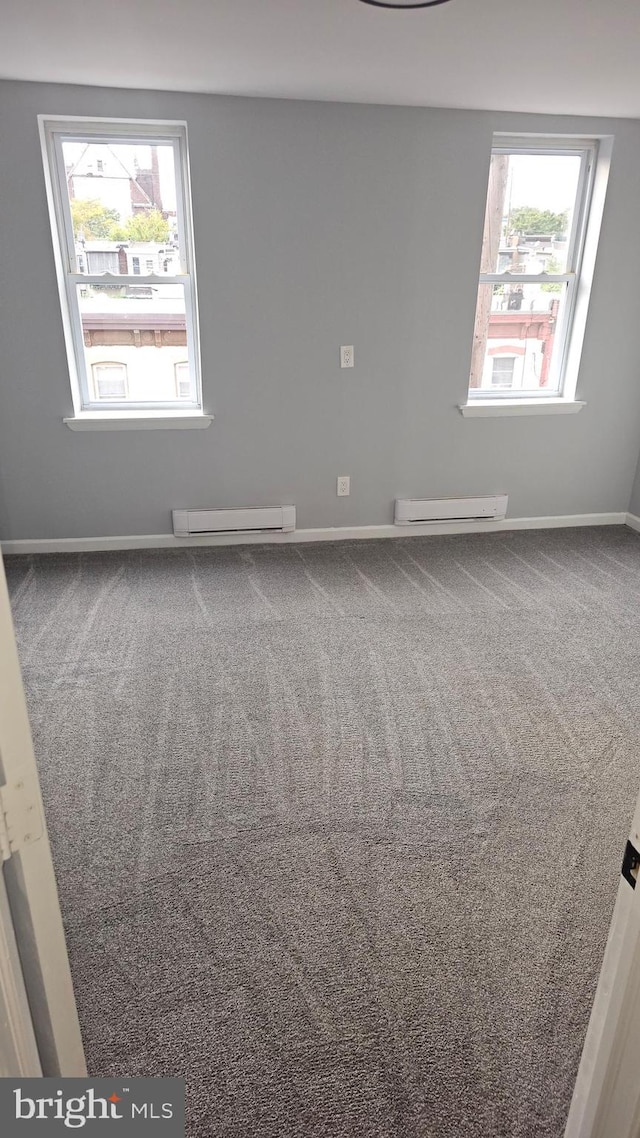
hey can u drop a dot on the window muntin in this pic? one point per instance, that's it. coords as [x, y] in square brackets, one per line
[535, 222]
[122, 230]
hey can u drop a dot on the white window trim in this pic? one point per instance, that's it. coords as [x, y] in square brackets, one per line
[174, 133]
[583, 244]
[138, 421]
[488, 408]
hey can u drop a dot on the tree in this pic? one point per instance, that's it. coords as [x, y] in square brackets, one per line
[96, 222]
[529, 219]
[92, 219]
[151, 226]
[553, 266]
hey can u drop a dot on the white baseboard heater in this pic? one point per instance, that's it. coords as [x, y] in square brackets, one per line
[417, 511]
[259, 519]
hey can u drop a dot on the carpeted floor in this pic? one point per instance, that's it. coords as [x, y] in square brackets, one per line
[338, 828]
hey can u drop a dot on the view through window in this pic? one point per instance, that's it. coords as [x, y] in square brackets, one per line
[123, 214]
[531, 253]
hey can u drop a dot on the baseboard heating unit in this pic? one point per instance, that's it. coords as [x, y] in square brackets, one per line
[417, 511]
[260, 519]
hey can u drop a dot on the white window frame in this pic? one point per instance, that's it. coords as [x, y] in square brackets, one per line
[595, 154]
[53, 131]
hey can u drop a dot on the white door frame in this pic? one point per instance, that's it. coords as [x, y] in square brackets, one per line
[18, 1048]
[37, 1005]
[606, 1098]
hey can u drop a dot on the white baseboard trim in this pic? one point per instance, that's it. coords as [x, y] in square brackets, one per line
[330, 533]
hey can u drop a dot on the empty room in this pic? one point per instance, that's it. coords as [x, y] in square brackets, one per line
[320, 522]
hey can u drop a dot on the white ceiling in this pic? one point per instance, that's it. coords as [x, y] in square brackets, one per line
[562, 56]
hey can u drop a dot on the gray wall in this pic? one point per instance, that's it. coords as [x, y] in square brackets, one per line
[634, 504]
[316, 224]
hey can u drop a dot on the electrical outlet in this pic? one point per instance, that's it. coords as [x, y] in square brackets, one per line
[343, 488]
[346, 355]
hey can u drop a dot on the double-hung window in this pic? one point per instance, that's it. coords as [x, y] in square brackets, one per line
[536, 219]
[121, 218]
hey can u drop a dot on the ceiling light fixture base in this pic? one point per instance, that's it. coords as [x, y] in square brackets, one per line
[399, 5]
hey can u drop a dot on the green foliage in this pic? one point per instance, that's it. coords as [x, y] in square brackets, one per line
[96, 222]
[528, 219]
[553, 266]
[92, 219]
[151, 226]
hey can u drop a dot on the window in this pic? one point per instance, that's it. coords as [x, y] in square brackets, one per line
[183, 380]
[503, 371]
[532, 251]
[109, 380]
[100, 261]
[124, 340]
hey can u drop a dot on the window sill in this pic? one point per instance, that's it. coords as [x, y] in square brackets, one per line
[138, 421]
[484, 408]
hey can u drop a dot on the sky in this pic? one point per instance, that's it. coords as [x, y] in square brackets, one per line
[542, 180]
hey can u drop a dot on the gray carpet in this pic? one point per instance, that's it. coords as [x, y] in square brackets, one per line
[338, 828]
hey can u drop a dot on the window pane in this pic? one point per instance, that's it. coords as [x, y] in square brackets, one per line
[140, 327]
[122, 198]
[514, 347]
[530, 206]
